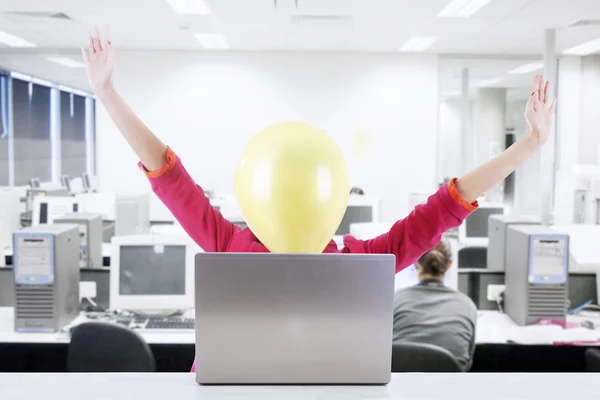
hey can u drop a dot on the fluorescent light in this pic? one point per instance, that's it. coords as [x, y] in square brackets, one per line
[585, 48]
[527, 68]
[418, 43]
[65, 61]
[189, 6]
[462, 8]
[212, 40]
[14, 41]
[488, 82]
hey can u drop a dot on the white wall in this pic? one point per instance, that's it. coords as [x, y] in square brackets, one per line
[207, 107]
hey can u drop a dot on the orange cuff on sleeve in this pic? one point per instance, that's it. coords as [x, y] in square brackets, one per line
[168, 166]
[454, 194]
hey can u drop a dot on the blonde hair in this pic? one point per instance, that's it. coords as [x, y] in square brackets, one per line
[437, 260]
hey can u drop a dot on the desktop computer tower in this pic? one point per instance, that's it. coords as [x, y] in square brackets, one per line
[536, 275]
[90, 237]
[497, 231]
[132, 215]
[46, 277]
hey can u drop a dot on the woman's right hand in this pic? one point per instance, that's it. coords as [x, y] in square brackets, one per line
[100, 62]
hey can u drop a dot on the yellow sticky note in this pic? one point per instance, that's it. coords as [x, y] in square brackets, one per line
[361, 141]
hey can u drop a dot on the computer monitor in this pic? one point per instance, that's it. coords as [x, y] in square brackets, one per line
[47, 208]
[410, 277]
[359, 209]
[152, 273]
[35, 183]
[474, 230]
[369, 230]
[65, 181]
[85, 181]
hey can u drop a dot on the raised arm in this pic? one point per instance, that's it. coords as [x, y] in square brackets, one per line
[410, 237]
[100, 65]
[169, 179]
[538, 114]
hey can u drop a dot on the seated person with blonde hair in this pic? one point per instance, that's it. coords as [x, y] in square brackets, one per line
[433, 313]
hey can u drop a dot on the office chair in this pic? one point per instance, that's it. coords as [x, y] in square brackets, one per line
[421, 357]
[107, 347]
[592, 360]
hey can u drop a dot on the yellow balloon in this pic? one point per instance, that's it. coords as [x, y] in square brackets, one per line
[292, 186]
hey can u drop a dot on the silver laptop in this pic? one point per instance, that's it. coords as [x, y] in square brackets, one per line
[266, 318]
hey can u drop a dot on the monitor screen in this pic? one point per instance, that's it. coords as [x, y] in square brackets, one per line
[353, 215]
[66, 182]
[548, 257]
[410, 277]
[152, 270]
[85, 180]
[477, 223]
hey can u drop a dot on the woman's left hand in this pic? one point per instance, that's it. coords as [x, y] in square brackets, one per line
[538, 113]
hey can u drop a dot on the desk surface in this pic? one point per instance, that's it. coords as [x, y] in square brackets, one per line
[492, 327]
[8, 334]
[403, 386]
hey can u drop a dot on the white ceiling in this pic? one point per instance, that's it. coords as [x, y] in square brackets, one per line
[501, 27]
[504, 28]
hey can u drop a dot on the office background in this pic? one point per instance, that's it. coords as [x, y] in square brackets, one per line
[407, 110]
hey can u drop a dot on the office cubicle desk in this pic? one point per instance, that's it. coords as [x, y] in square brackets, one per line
[402, 386]
[174, 351]
[474, 282]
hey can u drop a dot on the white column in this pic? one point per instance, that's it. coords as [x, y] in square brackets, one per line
[548, 167]
[90, 136]
[568, 128]
[11, 138]
[465, 121]
[55, 131]
[488, 131]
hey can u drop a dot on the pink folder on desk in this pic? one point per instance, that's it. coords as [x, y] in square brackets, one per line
[562, 323]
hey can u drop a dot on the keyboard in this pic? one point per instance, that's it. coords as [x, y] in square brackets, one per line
[170, 323]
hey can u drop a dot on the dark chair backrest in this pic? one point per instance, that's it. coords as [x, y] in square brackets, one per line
[592, 360]
[108, 347]
[421, 357]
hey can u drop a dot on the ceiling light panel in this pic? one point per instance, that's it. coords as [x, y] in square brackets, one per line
[462, 8]
[212, 41]
[65, 61]
[14, 41]
[418, 43]
[585, 49]
[193, 7]
[527, 68]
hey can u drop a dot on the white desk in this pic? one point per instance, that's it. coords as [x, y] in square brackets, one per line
[403, 386]
[492, 327]
[8, 334]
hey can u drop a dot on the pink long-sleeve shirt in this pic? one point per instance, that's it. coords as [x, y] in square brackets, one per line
[408, 238]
